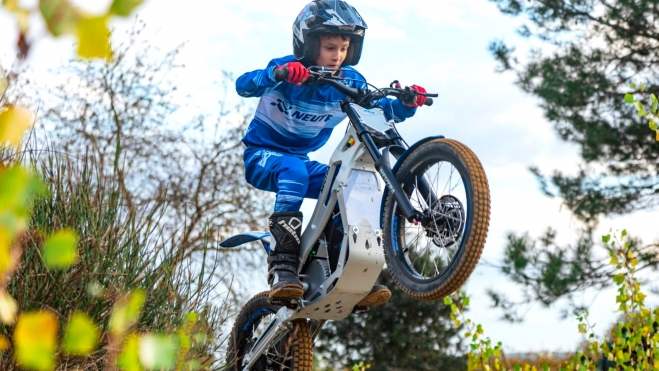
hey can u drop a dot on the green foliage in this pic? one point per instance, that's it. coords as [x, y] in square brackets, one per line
[102, 251]
[59, 250]
[593, 49]
[646, 106]
[81, 335]
[634, 344]
[360, 366]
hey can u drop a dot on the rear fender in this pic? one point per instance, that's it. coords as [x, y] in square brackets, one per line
[245, 237]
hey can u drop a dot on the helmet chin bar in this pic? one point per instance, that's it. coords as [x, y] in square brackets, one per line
[312, 50]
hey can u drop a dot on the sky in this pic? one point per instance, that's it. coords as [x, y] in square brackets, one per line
[439, 45]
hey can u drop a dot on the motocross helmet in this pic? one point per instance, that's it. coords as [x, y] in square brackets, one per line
[327, 17]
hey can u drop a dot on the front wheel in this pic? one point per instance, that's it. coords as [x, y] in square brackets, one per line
[292, 353]
[446, 183]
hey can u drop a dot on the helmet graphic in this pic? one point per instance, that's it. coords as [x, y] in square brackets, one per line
[327, 17]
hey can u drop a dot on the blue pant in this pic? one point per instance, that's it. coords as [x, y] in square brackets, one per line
[292, 177]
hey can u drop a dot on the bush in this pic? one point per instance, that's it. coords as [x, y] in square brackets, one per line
[634, 343]
[119, 250]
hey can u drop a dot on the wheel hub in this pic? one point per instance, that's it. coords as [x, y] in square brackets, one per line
[447, 221]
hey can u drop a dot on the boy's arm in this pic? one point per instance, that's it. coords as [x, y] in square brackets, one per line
[254, 84]
[400, 111]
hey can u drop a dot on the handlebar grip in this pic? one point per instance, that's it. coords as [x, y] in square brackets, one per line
[281, 73]
[428, 102]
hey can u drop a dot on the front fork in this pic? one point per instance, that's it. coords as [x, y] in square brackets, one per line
[384, 168]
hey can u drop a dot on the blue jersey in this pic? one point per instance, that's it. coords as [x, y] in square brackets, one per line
[300, 119]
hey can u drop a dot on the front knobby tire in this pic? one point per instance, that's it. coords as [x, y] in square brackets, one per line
[292, 353]
[431, 261]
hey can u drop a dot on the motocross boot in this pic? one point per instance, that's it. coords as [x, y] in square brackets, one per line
[283, 261]
[379, 295]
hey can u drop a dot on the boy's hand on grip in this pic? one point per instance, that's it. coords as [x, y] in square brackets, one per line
[297, 73]
[418, 100]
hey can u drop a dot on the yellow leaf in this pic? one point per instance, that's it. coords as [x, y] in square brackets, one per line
[11, 5]
[126, 312]
[94, 38]
[4, 343]
[81, 335]
[5, 250]
[129, 359]
[8, 308]
[582, 328]
[35, 340]
[3, 81]
[60, 16]
[59, 251]
[14, 121]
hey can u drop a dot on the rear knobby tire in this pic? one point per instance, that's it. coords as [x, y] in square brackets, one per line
[294, 351]
[463, 242]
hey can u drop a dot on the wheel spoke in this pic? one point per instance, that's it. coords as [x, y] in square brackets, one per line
[432, 255]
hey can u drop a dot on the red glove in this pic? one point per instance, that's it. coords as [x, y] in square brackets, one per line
[297, 73]
[418, 100]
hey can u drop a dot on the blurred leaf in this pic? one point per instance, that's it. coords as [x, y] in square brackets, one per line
[447, 300]
[3, 82]
[192, 365]
[158, 352]
[14, 121]
[5, 250]
[618, 278]
[652, 124]
[126, 312]
[60, 16]
[94, 38]
[129, 359]
[582, 328]
[629, 98]
[35, 340]
[606, 238]
[95, 289]
[124, 7]
[8, 308]
[17, 187]
[199, 338]
[4, 343]
[59, 251]
[10, 5]
[81, 335]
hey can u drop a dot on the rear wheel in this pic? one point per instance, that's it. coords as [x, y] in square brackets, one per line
[292, 352]
[446, 183]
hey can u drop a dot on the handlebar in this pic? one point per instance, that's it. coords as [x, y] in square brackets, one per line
[323, 75]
